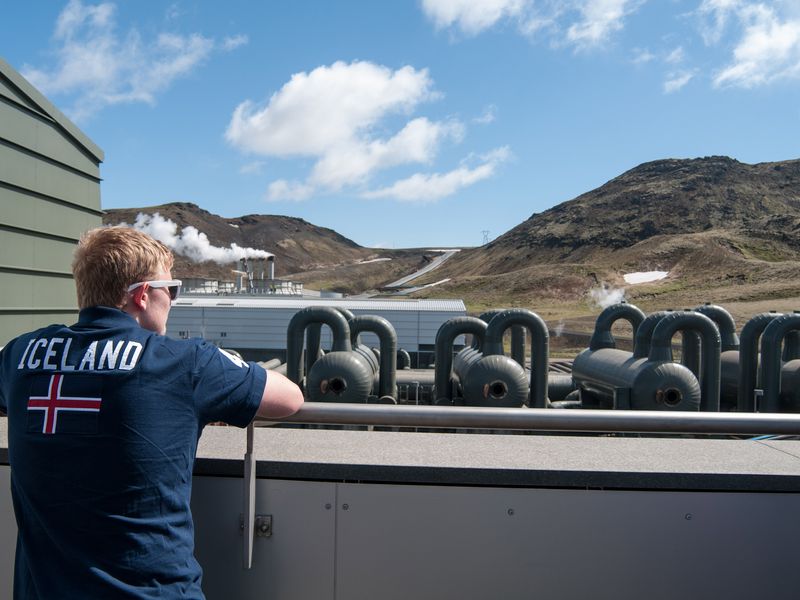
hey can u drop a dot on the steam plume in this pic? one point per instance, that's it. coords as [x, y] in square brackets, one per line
[606, 296]
[192, 243]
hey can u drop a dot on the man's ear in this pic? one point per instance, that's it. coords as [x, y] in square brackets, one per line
[139, 297]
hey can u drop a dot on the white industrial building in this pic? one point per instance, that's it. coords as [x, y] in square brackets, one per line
[256, 326]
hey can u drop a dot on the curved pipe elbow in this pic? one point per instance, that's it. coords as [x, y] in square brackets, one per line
[602, 336]
[661, 350]
[540, 347]
[387, 382]
[445, 337]
[297, 326]
[748, 359]
[771, 340]
[725, 324]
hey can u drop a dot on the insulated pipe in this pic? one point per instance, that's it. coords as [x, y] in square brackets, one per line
[748, 360]
[727, 331]
[540, 347]
[791, 346]
[445, 337]
[661, 350]
[644, 333]
[313, 344]
[271, 267]
[517, 337]
[602, 336]
[387, 382]
[403, 359]
[518, 344]
[294, 336]
[771, 340]
[725, 324]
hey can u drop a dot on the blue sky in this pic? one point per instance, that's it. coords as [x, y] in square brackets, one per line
[408, 123]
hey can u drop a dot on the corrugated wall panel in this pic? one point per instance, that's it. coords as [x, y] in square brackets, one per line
[38, 214]
[34, 252]
[33, 174]
[36, 292]
[42, 137]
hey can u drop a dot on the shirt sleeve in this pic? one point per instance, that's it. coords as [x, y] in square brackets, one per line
[226, 388]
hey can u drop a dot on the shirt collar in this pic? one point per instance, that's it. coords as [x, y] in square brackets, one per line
[105, 316]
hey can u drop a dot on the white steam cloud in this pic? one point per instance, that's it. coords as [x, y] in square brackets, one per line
[559, 329]
[191, 242]
[605, 296]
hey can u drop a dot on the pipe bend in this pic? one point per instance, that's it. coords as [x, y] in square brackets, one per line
[725, 324]
[644, 333]
[445, 337]
[771, 340]
[540, 347]
[387, 382]
[661, 350]
[748, 359]
[602, 336]
[294, 335]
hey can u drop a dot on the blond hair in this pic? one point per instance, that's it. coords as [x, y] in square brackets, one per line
[109, 259]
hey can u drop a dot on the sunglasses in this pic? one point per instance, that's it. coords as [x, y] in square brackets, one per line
[173, 286]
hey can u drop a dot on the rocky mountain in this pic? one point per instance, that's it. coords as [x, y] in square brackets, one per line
[724, 230]
[759, 204]
[296, 244]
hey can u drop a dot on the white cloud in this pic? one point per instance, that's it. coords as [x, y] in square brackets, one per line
[288, 190]
[642, 56]
[470, 16]
[233, 42]
[676, 56]
[599, 19]
[768, 51]
[488, 116]
[339, 115]
[676, 81]
[96, 66]
[434, 186]
[252, 168]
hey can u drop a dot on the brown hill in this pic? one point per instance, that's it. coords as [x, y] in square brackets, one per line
[316, 256]
[726, 232]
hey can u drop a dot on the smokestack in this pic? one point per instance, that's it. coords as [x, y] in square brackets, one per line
[271, 265]
[240, 275]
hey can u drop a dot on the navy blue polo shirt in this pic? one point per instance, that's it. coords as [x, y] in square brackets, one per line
[104, 418]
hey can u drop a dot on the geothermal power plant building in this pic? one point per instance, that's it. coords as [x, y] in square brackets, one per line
[256, 326]
[49, 195]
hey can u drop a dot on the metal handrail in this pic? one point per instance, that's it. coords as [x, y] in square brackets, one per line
[543, 419]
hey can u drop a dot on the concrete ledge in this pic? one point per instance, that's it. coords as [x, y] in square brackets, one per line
[551, 461]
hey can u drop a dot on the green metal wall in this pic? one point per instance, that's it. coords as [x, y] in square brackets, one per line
[49, 195]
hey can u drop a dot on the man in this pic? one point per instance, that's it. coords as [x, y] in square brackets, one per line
[104, 418]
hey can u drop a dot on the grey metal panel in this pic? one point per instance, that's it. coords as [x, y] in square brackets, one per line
[33, 252]
[296, 562]
[20, 291]
[36, 175]
[43, 137]
[8, 91]
[446, 542]
[8, 534]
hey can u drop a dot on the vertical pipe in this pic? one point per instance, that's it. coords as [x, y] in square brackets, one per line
[661, 350]
[387, 381]
[445, 337]
[540, 347]
[748, 360]
[771, 340]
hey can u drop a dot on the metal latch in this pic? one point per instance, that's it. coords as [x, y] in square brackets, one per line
[262, 525]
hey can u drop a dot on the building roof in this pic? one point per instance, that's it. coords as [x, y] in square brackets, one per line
[277, 302]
